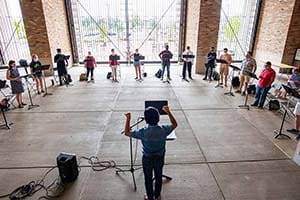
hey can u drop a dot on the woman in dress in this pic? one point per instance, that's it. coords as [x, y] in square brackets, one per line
[13, 76]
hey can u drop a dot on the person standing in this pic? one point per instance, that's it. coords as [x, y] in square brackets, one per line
[165, 57]
[113, 63]
[224, 68]
[210, 65]
[36, 71]
[266, 78]
[13, 75]
[153, 138]
[187, 64]
[90, 64]
[62, 63]
[137, 64]
[248, 66]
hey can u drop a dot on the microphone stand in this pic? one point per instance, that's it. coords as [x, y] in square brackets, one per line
[29, 93]
[131, 169]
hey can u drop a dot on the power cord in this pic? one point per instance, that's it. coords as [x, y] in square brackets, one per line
[97, 164]
[53, 190]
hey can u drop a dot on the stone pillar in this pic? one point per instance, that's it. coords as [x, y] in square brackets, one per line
[278, 31]
[202, 28]
[47, 29]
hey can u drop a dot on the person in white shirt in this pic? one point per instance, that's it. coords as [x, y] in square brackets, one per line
[187, 64]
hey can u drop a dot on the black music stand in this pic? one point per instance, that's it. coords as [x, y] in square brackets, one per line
[114, 57]
[45, 67]
[131, 169]
[29, 93]
[295, 94]
[246, 106]
[234, 68]
[5, 124]
[188, 56]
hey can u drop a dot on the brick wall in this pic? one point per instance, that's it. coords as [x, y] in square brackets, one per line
[273, 30]
[293, 37]
[46, 28]
[203, 18]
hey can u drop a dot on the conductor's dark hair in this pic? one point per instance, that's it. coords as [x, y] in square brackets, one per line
[58, 50]
[151, 115]
[250, 53]
[167, 47]
[188, 47]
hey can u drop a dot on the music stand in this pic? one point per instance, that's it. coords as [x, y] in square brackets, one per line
[114, 57]
[188, 56]
[131, 169]
[5, 124]
[29, 93]
[234, 68]
[246, 106]
[295, 94]
[45, 67]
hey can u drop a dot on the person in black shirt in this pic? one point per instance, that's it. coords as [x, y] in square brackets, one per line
[165, 57]
[211, 59]
[62, 64]
[36, 71]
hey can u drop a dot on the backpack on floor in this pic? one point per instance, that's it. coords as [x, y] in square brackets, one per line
[109, 74]
[235, 81]
[216, 76]
[274, 105]
[251, 89]
[158, 73]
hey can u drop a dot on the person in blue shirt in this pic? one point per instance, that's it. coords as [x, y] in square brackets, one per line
[153, 138]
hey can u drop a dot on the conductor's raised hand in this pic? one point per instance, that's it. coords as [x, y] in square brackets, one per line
[166, 109]
[128, 115]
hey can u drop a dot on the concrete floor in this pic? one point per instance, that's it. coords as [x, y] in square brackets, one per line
[221, 151]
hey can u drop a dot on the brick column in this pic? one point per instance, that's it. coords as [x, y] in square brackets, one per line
[46, 27]
[203, 19]
[278, 32]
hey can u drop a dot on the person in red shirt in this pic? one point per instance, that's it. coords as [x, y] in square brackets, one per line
[90, 64]
[266, 78]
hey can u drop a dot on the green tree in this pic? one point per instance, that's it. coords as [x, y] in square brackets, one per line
[229, 32]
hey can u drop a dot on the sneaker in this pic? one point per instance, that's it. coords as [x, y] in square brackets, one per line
[20, 106]
[292, 130]
[39, 93]
[297, 137]
[169, 79]
[184, 79]
[43, 91]
[191, 78]
[238, 91]
[24, 104]
[220, 83]
[204, 79]
[136, 78]
[254, 105]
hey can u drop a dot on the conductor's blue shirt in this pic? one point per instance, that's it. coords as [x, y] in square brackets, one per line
[153, 139]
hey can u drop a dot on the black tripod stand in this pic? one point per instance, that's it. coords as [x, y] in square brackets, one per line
[45, 67]
[5, 124]
[131, 169]
[234, 68]
[295, 94]
[246, 106]
[29, 93]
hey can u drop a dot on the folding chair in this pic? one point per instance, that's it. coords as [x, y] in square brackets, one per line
[5, 90]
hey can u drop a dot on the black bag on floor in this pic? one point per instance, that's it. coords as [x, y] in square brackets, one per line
[109, 74]
[145, 74]
[69, 78]
[235, 81]
[251, 89]
[158, 73]
[274, 105]
[216, 76]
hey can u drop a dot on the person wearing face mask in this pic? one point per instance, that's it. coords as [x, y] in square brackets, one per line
[13, 75]
[36, 71]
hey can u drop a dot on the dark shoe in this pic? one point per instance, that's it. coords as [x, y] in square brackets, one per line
[169, 78]
[191, 78]
[136, 78]
[39, 93]
[243, 93]
[292, 130]
[20, 106]
[238, 91]
[260, 107]
[220, 83]
[204, 79]
[254, 105]
[92, 79]
[24, 104]
[184, 79]
[43, 91]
